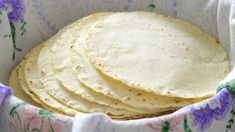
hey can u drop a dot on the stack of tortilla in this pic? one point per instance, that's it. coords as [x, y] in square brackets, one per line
[126, 65]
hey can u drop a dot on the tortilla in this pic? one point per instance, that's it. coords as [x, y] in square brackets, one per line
[18, 90]
[31, 79]
[158, 54]
[121, 65]
[62, 65]
[92, 78]
[57, 91]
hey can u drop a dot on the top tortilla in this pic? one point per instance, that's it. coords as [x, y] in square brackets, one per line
[157, 54]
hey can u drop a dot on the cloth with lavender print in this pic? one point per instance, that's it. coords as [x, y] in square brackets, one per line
[4, 92]
[215, 108]
[44, 18]
[15, 9]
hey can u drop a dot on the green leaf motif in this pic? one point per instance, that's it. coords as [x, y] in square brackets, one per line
[22, 28]
[151, 5]
[14, 108]
[7, 36]
[45, 113]
[229, 85]
[233, 112]
[165, 126]
[231, 120]
[186, 127]
[13, 36]
[228, 126]
[13, 31]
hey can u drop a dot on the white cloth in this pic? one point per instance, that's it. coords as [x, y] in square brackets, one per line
[44, 18]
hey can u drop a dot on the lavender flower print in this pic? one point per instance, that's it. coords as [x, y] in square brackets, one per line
[1, 4]
[215, 108]
[4, 92]
[15, 11]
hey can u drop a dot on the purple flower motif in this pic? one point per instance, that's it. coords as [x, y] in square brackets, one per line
[15, 9]
[4, 92]
[214, 108]
[1, 4]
